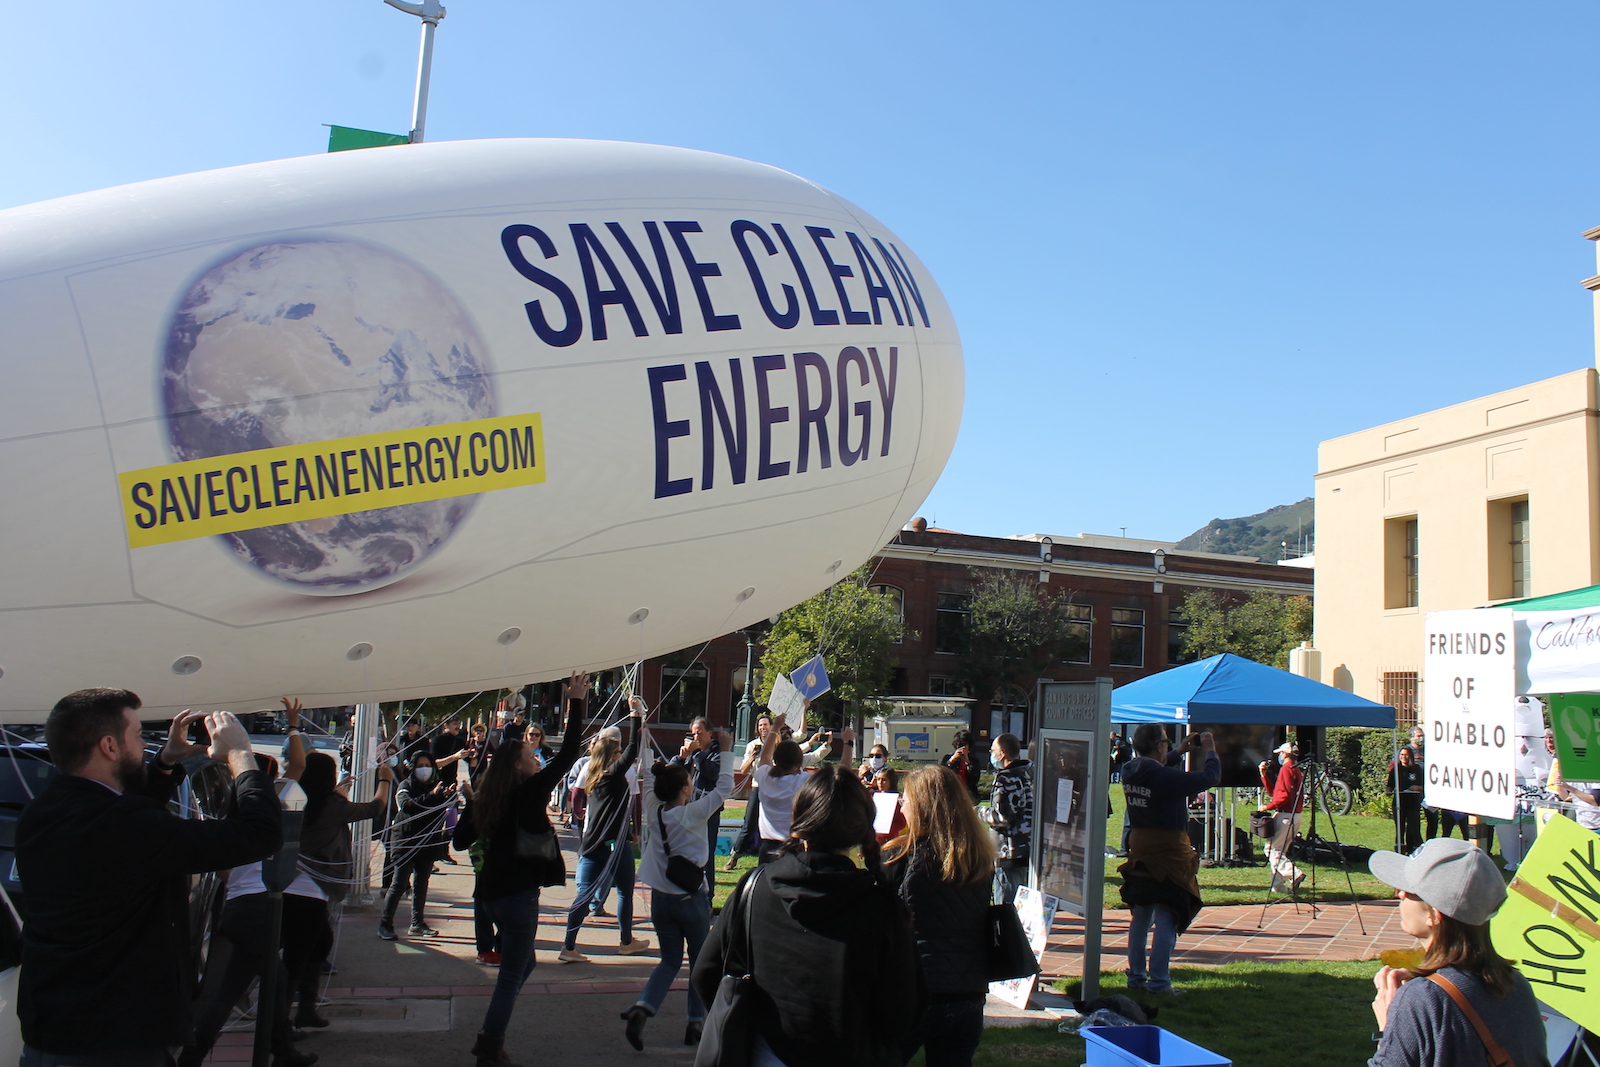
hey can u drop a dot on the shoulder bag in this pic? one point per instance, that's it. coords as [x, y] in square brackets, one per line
[1010, 954]
[1498, 1056]
[729, 1031]
[680, 872]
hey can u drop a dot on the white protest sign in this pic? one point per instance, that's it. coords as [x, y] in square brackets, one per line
[1471, 712]
[787, 701]
[886, 804]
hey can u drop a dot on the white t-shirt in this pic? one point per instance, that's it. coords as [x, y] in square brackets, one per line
[1588, 815]
[777, 801]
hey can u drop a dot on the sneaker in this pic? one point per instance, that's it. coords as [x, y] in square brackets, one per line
[309, 1019]
[1136, 986]
[637, 947]
[329, 968]
[599, 911]
[572, 955]
[423, 930]
[1277, 884]
[489, 959]
[386, 930]
[1295, 883]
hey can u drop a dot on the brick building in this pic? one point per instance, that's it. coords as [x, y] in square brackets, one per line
[1126, 599]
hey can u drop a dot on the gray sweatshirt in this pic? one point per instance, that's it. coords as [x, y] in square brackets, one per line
[1427, 1028]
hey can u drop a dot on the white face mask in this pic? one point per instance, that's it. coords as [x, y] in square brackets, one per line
[875, 762]
[424, 773]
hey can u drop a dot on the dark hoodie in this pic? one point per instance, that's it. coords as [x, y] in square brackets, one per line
[835, 962]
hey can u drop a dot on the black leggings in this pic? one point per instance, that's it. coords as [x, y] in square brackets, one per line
[307, 940]
[244, 924]
[420, 864]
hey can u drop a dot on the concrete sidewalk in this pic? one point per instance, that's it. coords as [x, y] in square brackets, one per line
[421, 1002]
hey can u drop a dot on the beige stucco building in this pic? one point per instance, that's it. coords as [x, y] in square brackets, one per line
[1494, 499]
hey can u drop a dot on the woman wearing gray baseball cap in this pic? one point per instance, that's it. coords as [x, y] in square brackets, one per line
[1465, 999]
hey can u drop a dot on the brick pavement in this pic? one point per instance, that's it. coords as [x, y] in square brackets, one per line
[1228, 934]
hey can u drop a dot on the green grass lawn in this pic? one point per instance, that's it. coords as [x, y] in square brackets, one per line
[1257, 1015]
[1248, 885]
[1218, 885]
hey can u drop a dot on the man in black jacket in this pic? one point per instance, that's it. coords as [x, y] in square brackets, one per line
[1011, 813]
[107, 977]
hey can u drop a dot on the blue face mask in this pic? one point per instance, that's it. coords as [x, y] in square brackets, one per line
[424, 773]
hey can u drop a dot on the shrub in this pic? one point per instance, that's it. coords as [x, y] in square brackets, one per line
[1377, 750]
[1344, 751]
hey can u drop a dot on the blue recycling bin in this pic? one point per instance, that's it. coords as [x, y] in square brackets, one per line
[1139, 1046]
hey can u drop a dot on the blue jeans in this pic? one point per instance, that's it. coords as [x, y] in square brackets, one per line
[592, 882]
[1166, 925]
[948, 1032]
[517, 916]
[677, 919]
[483, 931]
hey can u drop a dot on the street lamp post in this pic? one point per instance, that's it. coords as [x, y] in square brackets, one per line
[430, 12]
[746, 703]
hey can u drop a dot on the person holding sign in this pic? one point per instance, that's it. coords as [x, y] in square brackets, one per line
[1160, 880]
[1464, 1000]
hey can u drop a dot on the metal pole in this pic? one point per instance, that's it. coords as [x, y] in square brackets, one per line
[746, 705]
[363, 749]
[419, 108]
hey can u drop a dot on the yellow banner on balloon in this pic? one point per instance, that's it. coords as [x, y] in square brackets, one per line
[1549, 926]
[296, 483]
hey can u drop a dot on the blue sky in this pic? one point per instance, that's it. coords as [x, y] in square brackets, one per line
[1184, 242]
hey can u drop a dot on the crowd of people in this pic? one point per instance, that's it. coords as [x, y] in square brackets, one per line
[865, 923]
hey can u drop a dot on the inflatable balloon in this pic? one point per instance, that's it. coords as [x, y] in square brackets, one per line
[437, 418]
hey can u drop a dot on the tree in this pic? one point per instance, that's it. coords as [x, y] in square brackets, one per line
[854, 628]
[1264, 627]
[1015, 632]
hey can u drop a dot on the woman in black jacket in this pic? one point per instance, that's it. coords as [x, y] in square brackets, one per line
[416, 843]
[325, 854]
[943, 866]
[834, 960]
[520, 855]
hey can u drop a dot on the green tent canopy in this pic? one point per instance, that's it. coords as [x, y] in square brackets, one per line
[1571, 600]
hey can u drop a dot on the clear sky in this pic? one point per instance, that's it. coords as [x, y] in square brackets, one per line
[1184, 242]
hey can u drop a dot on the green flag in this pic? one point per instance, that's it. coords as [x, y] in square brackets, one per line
[345, 138]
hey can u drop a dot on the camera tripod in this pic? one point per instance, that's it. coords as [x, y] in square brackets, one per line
[1314, 788]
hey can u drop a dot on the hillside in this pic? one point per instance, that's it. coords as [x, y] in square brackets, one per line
[1258, 535]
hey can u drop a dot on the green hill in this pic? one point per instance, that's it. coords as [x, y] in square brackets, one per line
[1259, 535]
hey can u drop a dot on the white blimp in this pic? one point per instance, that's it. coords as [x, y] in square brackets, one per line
[435, 418]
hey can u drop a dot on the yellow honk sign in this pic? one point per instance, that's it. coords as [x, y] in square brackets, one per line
[296, 483]
[1549, 926]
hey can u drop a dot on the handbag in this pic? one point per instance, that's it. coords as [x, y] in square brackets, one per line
[680, 872]
[541, 845]
[1263, 823]
[729, 1032]
[1010, 954]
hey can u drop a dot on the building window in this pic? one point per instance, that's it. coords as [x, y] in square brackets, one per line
[683, 693]
[946, 687]
[952, 631]
[1401, 559]
[1521, 563]
[1177, 630]
[1399, 690]
[1127, 637]
[1080, 631]
[1510, 555]
[897, 597]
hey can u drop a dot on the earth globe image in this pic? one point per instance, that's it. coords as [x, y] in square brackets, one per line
[296, 342]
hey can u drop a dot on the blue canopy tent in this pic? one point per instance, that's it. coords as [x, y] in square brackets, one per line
[1232, 689]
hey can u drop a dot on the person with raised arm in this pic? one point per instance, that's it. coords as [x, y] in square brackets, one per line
[605, 848]
[107, 975]
[675, 854]
[521, 855]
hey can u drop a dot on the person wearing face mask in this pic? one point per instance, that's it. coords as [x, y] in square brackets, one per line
[417, 839]
[1011, 813]
[876, 761]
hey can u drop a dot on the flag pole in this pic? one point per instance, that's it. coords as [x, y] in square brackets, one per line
[430, 12]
